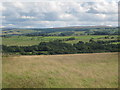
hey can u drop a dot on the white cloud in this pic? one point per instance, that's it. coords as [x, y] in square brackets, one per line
[27, 17]
[2, 8]
[55, 14]
[10, 24]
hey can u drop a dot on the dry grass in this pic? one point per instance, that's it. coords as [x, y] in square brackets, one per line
[61, 71]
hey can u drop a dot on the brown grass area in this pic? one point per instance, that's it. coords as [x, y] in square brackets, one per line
[99, 70]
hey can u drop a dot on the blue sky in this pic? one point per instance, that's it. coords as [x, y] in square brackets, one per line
[59, 14]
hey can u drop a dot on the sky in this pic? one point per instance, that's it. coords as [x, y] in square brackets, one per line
[47, 14]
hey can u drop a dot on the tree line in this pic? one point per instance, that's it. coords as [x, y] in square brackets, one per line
[59, 47]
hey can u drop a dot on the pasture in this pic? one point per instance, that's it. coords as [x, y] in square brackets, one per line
[29, 40]
[98, 70]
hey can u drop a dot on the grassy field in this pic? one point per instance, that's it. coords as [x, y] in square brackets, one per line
[27, 41]
[17, 31]
[98, 70]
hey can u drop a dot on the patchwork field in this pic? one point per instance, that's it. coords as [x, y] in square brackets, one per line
[98, 70]
[28, 41]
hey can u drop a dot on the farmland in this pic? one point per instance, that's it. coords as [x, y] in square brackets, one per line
[61, 71]
[33, 36]
[60, 58]
[30, 40]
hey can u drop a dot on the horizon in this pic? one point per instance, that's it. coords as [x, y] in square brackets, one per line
[63, 27]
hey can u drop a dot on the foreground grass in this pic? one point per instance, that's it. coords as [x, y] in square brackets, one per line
[61, 71]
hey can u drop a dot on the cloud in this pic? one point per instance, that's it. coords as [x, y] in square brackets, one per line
[57, 14]
[104, 8]
[27, 17]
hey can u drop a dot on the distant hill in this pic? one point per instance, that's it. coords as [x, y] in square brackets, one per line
[86, 29]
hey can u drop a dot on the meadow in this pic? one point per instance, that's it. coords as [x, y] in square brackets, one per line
[27, 66]
[35, 40]
[98, 70]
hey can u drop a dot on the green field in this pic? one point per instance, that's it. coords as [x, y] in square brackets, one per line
[98, 70]
[17, 31]
[27, 41]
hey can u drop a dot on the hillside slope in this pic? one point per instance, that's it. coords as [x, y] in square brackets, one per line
[61, 71]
